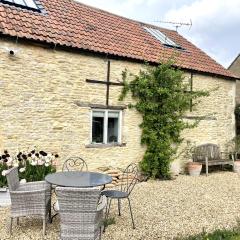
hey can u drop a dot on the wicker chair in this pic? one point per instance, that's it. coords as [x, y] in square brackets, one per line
[129, 179]
[71, 164]
[81, 213]
[28, 199]
[75, 164]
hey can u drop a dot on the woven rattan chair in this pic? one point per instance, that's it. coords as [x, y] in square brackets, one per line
[28, 199]
[75, 164]
[71, 164]
[129, 178]
[81, 213]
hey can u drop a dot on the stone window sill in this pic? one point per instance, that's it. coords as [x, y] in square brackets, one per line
[106, 145]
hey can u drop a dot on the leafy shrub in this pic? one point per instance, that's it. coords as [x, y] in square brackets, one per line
[162, 98]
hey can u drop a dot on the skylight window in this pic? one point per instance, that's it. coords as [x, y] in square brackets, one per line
[162, 37]
[28, 4]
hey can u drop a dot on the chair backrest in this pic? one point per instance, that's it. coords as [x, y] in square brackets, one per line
[13, 179]
[212, 151]
[129, 178]
[76, 201]
[75, 164]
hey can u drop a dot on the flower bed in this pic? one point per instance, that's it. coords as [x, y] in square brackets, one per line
[33, 165]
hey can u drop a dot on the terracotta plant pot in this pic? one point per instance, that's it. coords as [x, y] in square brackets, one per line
[194, 169]
[236, 166]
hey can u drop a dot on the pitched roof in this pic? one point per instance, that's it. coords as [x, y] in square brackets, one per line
[73, 24]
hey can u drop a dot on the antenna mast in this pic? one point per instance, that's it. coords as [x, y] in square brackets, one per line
[177, 25]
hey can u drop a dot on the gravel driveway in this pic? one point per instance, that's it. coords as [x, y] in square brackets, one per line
[162, 210]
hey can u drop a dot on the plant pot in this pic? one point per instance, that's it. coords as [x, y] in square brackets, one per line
[236, 166]
[194, 169]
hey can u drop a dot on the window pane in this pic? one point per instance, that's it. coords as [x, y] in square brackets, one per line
[113, 118]
[98, 114]
[31, 3]
[21, 2]
[97, 129]
[113, 114]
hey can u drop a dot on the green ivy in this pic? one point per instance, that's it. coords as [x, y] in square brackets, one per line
[162, 98]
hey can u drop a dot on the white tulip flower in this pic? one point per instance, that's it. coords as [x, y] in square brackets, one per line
[23, 181]
[33, 163]
[9, 164]
[4, 172]
[21, 170]
[47, 164]
[16, 164]
[40, 162]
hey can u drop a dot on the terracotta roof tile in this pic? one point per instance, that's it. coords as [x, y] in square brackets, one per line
[73, 24]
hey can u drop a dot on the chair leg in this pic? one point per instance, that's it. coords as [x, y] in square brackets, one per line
[17, 220]
[107, 213]
[50, 214]
[130, 208]
[10, 227]
[100, 234]
[119, 207]
[206, 163]
[44, 226]
[109, 206]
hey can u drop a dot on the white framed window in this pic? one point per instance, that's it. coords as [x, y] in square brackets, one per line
[106, 126]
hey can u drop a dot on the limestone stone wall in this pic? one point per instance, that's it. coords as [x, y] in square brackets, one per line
[214, 113]
[235, 69]
[40, 92]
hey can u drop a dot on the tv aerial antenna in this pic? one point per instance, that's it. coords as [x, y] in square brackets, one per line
[177, 25]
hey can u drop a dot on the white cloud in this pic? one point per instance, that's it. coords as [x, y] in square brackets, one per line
[215, 26]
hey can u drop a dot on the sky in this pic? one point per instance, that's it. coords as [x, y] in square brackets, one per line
[215, 23]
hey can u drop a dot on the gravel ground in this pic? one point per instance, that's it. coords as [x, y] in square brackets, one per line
[162, 210]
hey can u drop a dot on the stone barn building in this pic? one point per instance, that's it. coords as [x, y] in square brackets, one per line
[61, 65]
[235, 69]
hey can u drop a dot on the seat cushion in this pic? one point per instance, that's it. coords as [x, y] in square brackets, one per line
[114, 194]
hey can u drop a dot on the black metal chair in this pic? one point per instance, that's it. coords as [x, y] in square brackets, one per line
[75, 164]
[128, 180]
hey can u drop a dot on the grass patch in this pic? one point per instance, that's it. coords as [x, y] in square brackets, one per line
[224, 234]
[109, 221]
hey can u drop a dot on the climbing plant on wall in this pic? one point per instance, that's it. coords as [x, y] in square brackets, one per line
[162, 97]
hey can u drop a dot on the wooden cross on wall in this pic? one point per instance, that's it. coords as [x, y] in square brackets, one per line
[108, 83]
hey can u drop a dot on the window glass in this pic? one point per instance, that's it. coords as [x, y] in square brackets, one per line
[31, 3]
[113, 127]
[21, 2]
[97, 127]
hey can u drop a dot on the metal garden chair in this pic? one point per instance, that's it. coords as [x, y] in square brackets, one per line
[75, 164]
[28, 199]
[128, 181]
[81, 213]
